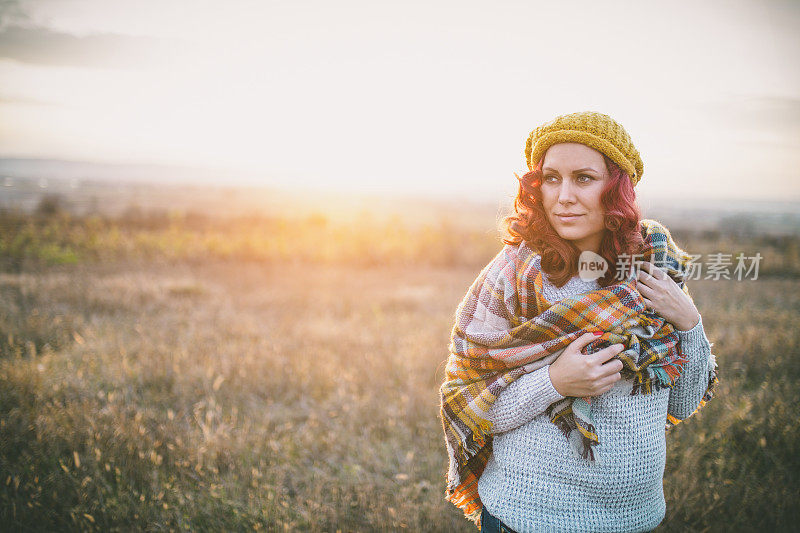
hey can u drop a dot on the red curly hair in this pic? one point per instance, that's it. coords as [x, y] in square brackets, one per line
[529, 223]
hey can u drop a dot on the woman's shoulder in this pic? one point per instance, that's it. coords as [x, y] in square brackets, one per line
[649, 226]
[656, 234]
[661, 248]
[513, 250]
[513, 261]
[521, 254]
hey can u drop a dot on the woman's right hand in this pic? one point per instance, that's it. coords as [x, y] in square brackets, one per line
[577, 374]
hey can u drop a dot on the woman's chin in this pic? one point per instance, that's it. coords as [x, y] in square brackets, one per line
[569, 234]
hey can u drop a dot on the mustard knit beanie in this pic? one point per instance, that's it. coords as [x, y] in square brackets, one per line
[595, 130]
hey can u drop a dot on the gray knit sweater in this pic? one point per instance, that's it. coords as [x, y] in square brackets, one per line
[534, 481]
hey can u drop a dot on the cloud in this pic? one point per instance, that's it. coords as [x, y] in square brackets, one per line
[774, 111]
[11, 12]
[24, 100]
[43, 46]
[770, 117]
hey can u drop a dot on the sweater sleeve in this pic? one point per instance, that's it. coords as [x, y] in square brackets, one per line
[691, 385]
[522, 400]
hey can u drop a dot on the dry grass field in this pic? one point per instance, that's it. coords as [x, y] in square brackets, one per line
[270, 375]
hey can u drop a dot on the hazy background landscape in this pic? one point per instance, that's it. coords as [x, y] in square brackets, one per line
[85, 189]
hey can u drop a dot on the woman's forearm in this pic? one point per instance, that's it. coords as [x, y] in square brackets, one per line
[522, 400]
[691, 385]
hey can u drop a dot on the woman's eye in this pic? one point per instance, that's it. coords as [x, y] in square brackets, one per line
[583, 178]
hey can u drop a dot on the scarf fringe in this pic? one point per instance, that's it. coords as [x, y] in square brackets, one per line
[567, 422]
[657, 377]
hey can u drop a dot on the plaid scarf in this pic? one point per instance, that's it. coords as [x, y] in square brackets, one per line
[505, 328]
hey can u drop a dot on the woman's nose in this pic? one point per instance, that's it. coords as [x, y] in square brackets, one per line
[565, 193]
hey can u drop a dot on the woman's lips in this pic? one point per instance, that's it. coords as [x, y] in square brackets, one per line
[568, 219]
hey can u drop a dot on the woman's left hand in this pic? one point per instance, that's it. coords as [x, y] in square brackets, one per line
[665, 297]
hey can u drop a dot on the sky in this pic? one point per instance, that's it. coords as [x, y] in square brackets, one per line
[430, 97]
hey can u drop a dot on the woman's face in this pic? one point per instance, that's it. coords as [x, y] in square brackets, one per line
[574, 177]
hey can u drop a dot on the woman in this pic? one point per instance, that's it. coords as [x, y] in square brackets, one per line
[560, 381]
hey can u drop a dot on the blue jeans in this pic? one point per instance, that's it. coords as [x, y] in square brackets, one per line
[492, 524]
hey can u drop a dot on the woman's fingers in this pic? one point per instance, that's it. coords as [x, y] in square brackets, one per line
[611, 367]
[648, 292]
[586, 375]
[643, 276]
[608, 382]
[644, 290]
[650, 282]
[652, 270]
[609, 352]
[579, 343]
